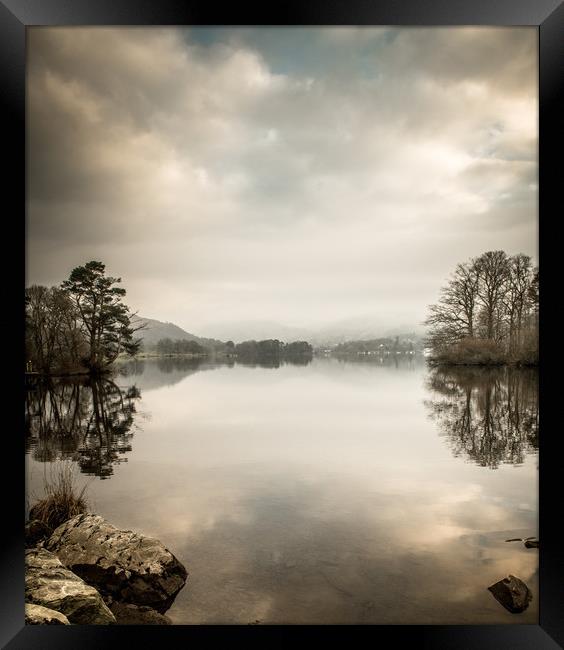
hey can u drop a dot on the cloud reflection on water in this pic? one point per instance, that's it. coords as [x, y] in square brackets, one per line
[321, 494]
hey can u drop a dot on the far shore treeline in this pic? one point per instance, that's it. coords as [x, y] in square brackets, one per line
[247, 350]
[487, 313]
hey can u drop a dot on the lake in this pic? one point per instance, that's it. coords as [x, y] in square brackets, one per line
[335, 491]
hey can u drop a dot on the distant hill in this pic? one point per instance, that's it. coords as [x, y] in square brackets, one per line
[361, 328]
[155, 330]
[353, 330]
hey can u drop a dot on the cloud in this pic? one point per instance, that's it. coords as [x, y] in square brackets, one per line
[241, 165]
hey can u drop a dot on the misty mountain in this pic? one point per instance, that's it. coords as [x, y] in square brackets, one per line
[240, 331]
[363, 328]
[359, 329]
[155, 330]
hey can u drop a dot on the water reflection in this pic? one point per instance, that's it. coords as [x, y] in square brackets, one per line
[167, 371]
[272, 362]
[164, 371]
[489, 415]
[322, 493]
[90, 422]
[322, 552]
[403, 361]
[172, 364]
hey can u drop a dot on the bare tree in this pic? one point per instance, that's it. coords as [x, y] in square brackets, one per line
[487, 312]
[53, 336]
[516, 298]
[493, 268]
[453, 317]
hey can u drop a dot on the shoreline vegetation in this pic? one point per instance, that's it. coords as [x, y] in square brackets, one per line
[487, 314]
[477, 357]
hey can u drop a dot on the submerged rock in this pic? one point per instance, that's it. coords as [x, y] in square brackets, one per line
[124, 565]
[35, 531]
[39, 615]
[529, 542]
[50, 584]
[512, 593]
[128, 614]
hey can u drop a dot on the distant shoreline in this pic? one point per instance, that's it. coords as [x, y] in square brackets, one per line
[478, 364]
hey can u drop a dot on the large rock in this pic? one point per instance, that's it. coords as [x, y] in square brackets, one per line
[49, 583]
[35, 531]
[512, 593]
[39, 615]
[123, 565]
[127, 614]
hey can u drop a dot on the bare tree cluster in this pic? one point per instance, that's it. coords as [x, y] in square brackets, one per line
[487, 311]
[54, 337]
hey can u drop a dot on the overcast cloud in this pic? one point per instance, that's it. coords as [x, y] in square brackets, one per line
[305, 176]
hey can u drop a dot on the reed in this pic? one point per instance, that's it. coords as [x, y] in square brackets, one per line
[61, 500]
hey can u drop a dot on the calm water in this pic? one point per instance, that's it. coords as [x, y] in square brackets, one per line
[332, 492]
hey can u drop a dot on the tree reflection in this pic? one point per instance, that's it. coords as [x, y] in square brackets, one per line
[490, 416]
[88, 421]
[131, 368]
[179, 364]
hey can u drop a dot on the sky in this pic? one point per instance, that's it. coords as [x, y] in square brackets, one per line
[300, 176]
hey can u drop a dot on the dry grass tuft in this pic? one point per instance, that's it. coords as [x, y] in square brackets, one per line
[61, 501]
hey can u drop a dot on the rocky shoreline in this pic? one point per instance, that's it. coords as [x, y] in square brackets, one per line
[88, 572]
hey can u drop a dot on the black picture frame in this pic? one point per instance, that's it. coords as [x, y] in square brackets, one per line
[15, 16]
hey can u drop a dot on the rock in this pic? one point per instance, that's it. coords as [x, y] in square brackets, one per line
[531, 543]
[39, 615]
[128, 614]
[50, 584]
[512, 593]
[35, 531]
[123, 565]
